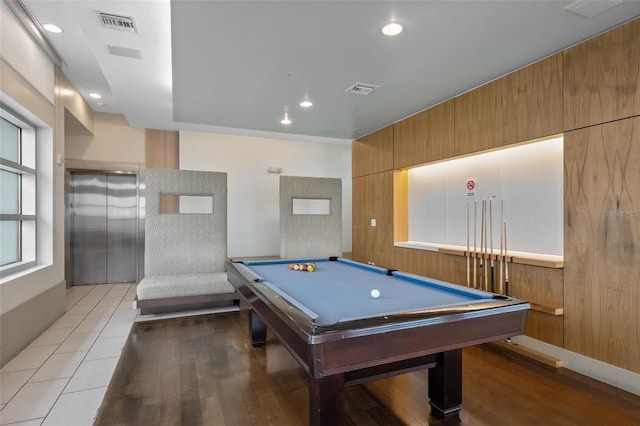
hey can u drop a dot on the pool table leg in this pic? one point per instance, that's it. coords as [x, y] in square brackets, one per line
[326, 400]
[257, 329]
[445, 384]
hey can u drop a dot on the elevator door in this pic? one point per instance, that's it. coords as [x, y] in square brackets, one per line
[104, 216]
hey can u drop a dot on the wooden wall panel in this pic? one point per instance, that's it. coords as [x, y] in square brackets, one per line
[430, 264]
[372, 153]
[602, 78]
[544, 327]
[400, 205]
[542, 286]
[593, 83]
[532, 283]
[521, 106]
[162, 150]
[602, 242]
[424, 137]
[373, 199]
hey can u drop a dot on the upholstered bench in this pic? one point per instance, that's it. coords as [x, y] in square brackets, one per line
[168, 293]
[185, 250]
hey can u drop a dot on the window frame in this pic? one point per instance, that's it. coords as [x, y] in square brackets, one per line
[25, 260]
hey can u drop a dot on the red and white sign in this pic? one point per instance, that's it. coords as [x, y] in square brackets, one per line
[471, 187]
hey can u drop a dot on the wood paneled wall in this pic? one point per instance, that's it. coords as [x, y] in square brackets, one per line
[373, 153]
[591, 92]
[602, 242]
[373, 199]
[602, 78]
[162, 149]
[521, 106]
[424, 137]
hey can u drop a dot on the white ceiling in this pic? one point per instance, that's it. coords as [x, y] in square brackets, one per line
[237, 66]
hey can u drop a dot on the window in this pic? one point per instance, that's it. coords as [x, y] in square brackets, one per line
[311, 206]
[17, 193]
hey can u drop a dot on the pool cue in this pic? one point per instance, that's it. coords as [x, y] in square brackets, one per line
[482, 245]
[475, 253]
[501, 262]
[506, 263]
[506, 266]
[468, 254]
[486, 251]
[493, 287]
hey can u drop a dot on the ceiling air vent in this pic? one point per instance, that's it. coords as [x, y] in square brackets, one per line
[362, 88]
[590, 8]
[118, 22]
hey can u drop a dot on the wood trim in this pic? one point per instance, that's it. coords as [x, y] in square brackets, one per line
[533, 260]
[530, 353]
[547, 309]
[400, 205]
[102, 166]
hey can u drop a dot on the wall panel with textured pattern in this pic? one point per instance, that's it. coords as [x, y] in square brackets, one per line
[185, 243]
[310, 235]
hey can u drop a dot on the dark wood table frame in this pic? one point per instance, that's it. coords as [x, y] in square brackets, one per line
[358, 351]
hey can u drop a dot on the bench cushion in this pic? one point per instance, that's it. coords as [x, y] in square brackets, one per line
[164, 286]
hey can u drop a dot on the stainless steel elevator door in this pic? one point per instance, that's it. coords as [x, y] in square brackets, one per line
[104, 213]
[122, 208]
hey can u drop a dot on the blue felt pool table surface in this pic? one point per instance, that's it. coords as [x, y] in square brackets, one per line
[340, 290]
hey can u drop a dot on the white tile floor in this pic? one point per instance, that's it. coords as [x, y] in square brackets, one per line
[61, 378]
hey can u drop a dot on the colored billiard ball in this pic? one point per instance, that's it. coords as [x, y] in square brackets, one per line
[375, 293]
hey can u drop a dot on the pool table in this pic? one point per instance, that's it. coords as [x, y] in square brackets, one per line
[341, 335]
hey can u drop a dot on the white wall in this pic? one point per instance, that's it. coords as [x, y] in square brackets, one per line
[526, 180]
[253, 197]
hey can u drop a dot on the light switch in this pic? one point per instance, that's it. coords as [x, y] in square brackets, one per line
[373, 222]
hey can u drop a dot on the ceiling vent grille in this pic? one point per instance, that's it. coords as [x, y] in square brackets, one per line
[362, 88]
[590, 8]
[118, 22]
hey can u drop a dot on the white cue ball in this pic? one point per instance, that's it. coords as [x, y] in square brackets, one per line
[375, 293]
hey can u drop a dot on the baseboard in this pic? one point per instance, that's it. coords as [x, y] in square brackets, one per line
[598, 370]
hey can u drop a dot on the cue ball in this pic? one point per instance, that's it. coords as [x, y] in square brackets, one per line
[375, 293]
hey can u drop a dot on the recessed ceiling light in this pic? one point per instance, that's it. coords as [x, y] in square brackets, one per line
[392, 29]
[95, 95]
[100, 103]
[285, 120]
[306, 103]
[52, 28]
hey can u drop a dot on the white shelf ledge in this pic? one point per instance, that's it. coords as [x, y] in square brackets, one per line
[525, 258]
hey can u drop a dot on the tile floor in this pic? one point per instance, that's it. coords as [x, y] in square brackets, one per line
[60, 379]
